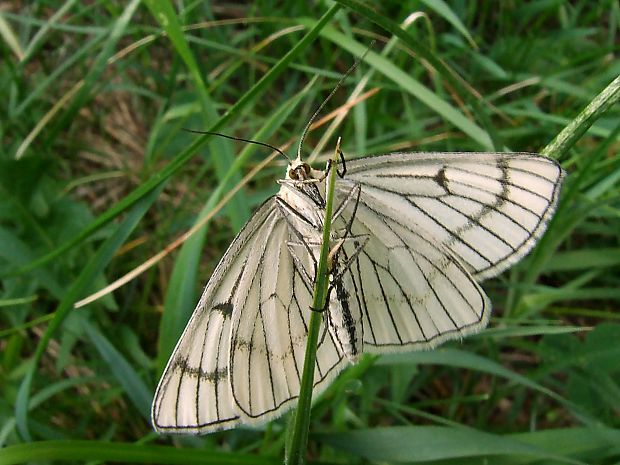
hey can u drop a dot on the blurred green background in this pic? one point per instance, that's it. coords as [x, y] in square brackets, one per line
[97, 177]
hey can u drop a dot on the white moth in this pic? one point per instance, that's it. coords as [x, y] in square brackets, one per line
[414, 233]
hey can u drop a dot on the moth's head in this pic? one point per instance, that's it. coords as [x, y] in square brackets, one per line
[298, 170]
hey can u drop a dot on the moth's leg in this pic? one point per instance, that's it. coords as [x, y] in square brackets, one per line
[329, 165]
[359, 242]
[302, 239]
[342, 159]
[352, 195]
[341, 156]
[299, 265]
[325, 326]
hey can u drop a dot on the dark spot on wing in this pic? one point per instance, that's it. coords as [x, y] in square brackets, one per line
[441, 179]
[225, 308]
[214, 376]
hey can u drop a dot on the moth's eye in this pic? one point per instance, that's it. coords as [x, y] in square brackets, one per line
[306, 169]
[292, 174]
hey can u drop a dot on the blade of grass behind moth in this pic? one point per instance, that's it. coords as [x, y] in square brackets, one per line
[178, 162]
[126, 375]
[463, 359]
[459, 444]
[247, 55]
[449, 75]
[94, 267]
[567, 217]
[296, 450]
[221, 149]
[576, 128]
[89, 451]
[352, 101]
[411, 85]
[593, 171]
[10, 39]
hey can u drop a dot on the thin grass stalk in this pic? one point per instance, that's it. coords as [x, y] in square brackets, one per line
[560, 145]
[295, 454]
[607, 98]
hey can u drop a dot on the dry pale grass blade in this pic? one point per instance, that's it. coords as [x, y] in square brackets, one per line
[179, 240]
[338, 116]
[46, 118]
[11, 39]
[192, 27]
[219, 70]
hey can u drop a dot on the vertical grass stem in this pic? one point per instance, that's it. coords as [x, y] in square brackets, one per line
[295, 454]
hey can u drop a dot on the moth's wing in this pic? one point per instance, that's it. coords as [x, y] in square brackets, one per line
[194, 393]
[409, 291]
[488, 209]
[269, 337]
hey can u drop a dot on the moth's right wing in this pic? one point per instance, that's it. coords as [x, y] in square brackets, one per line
[488, 209]
[409, 291]
[436, 224]
[404, 289]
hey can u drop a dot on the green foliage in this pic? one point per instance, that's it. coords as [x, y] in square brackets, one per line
[97, 175]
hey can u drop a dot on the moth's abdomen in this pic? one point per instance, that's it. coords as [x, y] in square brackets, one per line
[345, 326]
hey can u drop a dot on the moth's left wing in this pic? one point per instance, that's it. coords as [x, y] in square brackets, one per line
[436, 223]
[268, 338]
[194, 394]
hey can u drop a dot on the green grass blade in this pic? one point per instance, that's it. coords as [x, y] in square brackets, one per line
[557, 148]
[221, 149]
[88, 451]
[122, 370]
[296, 451]
[413, 444]
[10, 38]
[577, 128]
[394, 28]
[411, 85]
[462, 359]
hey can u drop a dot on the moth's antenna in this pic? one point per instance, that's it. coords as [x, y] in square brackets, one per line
[318, 110]
[250, 141]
